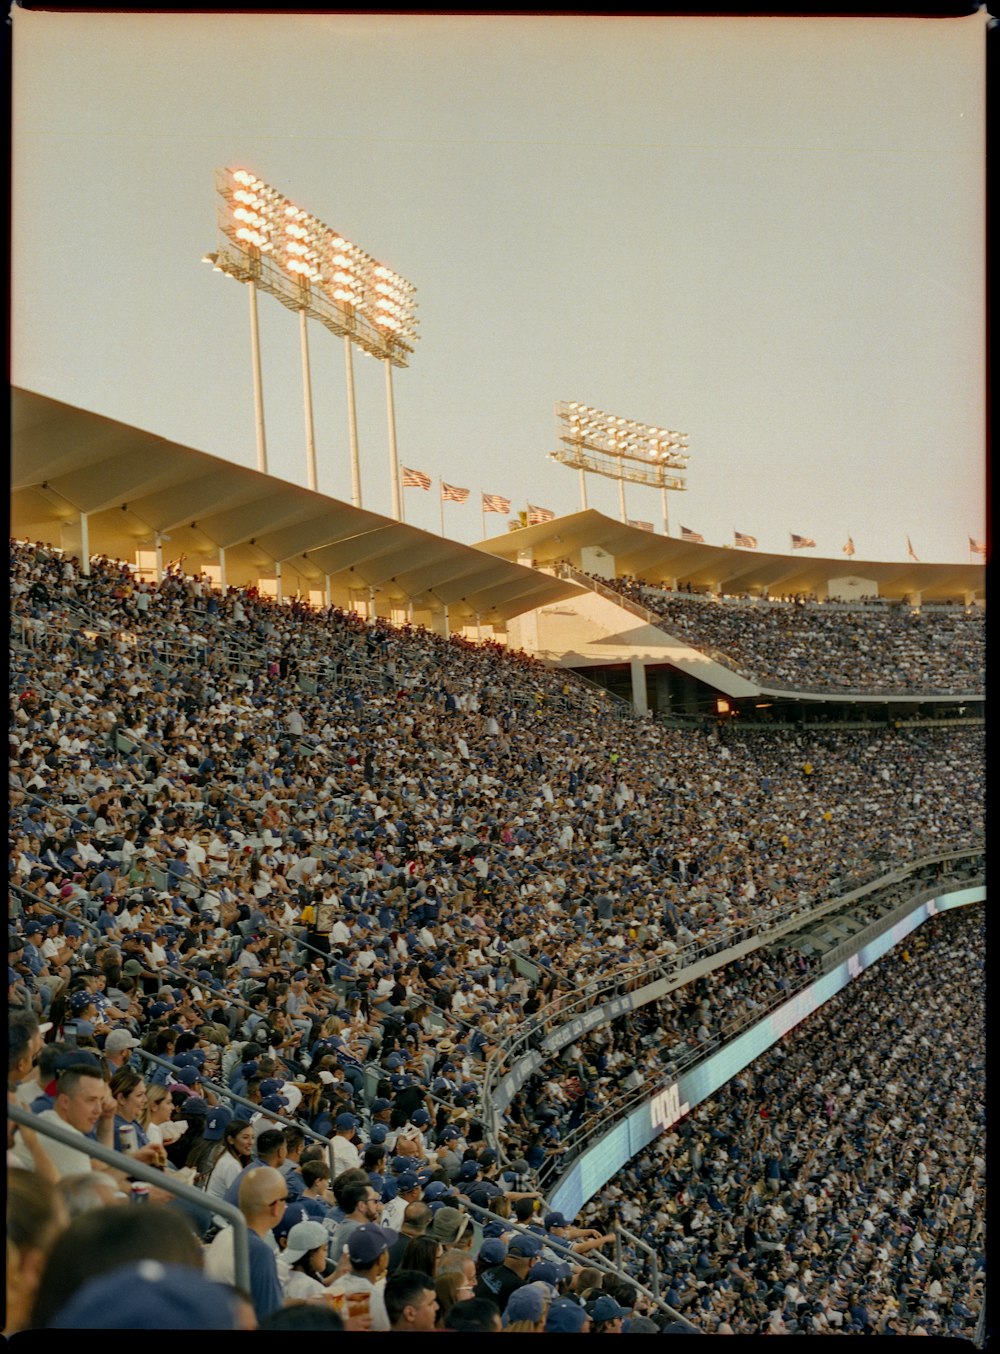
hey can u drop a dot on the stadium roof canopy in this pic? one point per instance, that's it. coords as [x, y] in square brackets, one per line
[133, 484]
[653, 557]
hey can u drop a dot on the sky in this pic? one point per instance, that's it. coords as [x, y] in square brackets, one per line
[767, 233]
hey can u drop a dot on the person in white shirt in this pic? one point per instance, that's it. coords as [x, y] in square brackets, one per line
[305, 1256]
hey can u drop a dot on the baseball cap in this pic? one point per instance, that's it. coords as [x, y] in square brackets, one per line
[149, 1296]
[524, 1245]
[367, 1242]
[437, 1189]
[524, 1304]
[305, 1237]
[344, 1122]
[215, 1124]
[555, 1220]
[606, 1309]
[493, 1251]
[564, 1317]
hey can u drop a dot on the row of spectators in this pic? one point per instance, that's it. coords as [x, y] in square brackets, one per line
[837, 1185]
[277, 887]
[812, 647]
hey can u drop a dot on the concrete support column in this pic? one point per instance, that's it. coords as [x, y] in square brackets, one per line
[639, 686]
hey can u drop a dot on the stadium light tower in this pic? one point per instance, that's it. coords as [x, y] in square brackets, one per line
[621, 449]
[271, 244]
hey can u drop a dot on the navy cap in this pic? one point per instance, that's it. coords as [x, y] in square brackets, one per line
[437, 1189]
[406, 1182]
[565, 1317]
[367, 1242]
[379, 1104]
[215, 1124]
[344, 1122]
[469, 1170]
[524, 1245]
[555, 1220]
[150, 1296]
[606, 1309]
[493, 1251]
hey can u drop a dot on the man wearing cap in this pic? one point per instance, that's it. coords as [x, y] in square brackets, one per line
[566, 1317]
[368, 1256]
[606, 1316]
[118, 1048]
[83, 1103]
[500, 1281]
[576, 1239]
[450, 1227]
[346, 1156]
[408, 1191]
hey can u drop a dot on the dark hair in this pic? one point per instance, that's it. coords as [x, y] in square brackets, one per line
[477, 1314]
[70, 1077]
[269, 1142]
[420, 1254]
[314, 1171]
[352, 1176]
[402, 1288]
[303, 1316]
[353, 1193]
[103, 1239]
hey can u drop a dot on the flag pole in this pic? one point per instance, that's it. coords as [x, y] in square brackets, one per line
[441, 501]
[482, 516]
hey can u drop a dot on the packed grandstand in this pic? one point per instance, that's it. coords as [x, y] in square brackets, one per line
[357, 955]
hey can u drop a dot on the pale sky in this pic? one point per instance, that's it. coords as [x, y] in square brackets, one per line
[766, 233]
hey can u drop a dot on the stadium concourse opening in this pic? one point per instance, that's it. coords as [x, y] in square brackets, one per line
[439, 986]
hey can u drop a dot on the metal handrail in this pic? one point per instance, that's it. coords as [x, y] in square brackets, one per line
[654, 1263]
[684, 961]
[219, 1089]
[138, 1170]
[590, 1260]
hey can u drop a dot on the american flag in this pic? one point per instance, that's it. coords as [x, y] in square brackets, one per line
[449, 493]
[977, 547]
[849, 547]
[494, 503]
[537, 515]
[640, 526]
[695, 536]
[910, 550]
[744, 541]
[802, 542]
[415, 479]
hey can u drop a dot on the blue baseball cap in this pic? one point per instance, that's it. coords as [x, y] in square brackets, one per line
[565, 1317]
[150, 1296]
[493, 1251]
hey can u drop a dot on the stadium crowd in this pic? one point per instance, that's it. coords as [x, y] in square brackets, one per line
[332, 865]
[839, 648]
[838, 1184]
